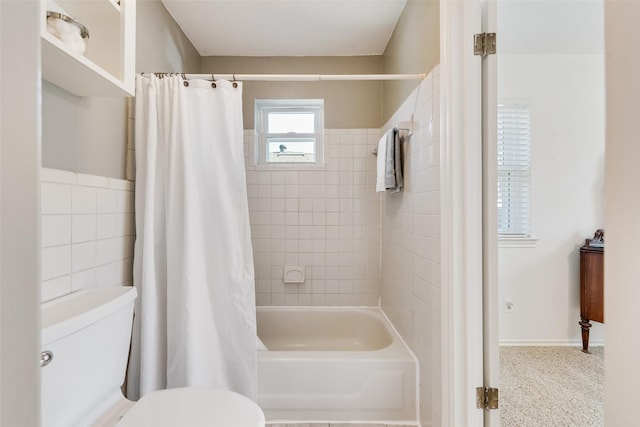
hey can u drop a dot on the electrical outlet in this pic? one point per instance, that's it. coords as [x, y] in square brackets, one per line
[508, 305]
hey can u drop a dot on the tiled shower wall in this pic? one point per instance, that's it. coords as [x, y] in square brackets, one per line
[323, 217]
[87, 232]
[410, 284]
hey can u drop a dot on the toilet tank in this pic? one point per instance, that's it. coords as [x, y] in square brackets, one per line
[88, 333]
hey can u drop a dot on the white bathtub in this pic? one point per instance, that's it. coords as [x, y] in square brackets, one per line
[327, 364]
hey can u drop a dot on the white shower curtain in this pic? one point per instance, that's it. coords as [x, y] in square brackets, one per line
[195, 321]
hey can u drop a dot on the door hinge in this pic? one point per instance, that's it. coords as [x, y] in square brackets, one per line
[487, 398]
[484, 44]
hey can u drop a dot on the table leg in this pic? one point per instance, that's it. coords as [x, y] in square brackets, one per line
[585, 324]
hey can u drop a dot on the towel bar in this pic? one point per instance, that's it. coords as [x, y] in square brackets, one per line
[406, 126]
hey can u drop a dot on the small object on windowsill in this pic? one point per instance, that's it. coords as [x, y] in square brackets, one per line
[68, 30]
[597, 242]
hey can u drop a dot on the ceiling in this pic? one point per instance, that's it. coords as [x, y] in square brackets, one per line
[287, 27]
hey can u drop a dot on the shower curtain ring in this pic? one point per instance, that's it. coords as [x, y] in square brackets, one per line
[234, 84]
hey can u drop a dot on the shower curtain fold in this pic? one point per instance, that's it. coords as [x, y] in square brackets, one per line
[195, 321]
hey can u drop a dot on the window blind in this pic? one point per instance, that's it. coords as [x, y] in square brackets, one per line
[514, 170]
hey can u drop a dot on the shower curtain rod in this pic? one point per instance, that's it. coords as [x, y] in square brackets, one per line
[304, 77]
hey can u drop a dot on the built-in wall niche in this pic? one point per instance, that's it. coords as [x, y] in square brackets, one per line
[107, 67]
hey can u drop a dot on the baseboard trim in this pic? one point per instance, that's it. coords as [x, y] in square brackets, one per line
[524, 343]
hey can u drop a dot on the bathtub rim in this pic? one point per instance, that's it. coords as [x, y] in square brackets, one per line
[373, 312]
[396, 342]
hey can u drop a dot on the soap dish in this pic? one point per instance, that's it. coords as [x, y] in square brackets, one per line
[294, 274]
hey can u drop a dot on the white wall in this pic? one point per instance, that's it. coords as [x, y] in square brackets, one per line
[410, 261]
[566, 95]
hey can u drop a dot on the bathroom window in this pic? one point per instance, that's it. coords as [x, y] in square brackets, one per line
[289, 131]
[514, 171]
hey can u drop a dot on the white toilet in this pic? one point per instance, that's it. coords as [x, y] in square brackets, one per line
[85, 345]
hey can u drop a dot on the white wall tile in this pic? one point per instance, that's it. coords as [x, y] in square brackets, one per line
[57, 176]
[107, 200]
[110, 250]
[125, 225]
[83, 200]
[83, 256]
[304, 300]
[291, 205]
[277, 299]
[127, 246]
[107, 226]
[121, 184]
[55, 288]
[84, 279]
[55, 198]
[318, 299]
[92, 180]
[56, 262]
[107, 275]
[125, 271]
[263, 299]
[291, 178]
[124, 201]
[83, 228]
[291, 191]
[56, 230]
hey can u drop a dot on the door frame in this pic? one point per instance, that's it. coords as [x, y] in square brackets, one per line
[461, 213]
[20, 103]
[491, 300]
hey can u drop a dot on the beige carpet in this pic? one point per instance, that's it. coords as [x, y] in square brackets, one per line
[551, 386]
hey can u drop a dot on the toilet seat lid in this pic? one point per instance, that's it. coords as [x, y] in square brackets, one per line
[193, 407]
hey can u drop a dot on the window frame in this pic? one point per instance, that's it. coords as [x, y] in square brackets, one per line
[263, 107]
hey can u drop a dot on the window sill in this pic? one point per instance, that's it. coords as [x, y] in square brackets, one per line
[289, 167]
[517, 242]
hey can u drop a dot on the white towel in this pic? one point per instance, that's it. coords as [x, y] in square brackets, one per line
[381, 162]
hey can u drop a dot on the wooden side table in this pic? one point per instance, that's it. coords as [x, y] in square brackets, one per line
[591, 287]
